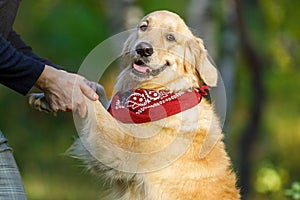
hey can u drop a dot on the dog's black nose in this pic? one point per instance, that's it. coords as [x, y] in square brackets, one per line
[144, 49]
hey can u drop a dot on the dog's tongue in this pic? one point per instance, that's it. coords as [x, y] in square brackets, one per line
[142, 69]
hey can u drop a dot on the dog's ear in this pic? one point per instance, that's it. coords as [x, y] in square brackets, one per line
[197, 55]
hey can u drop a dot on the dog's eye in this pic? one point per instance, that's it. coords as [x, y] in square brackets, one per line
[171, 37]
[144, 26]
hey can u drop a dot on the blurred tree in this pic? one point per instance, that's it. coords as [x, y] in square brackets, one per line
[123, 15]
[251, 132]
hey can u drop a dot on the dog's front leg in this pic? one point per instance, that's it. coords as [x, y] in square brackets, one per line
[103, 137]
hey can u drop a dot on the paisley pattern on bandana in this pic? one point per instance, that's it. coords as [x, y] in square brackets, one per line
[140, 105]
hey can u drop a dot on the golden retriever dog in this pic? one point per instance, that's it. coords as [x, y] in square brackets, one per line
[161, 139]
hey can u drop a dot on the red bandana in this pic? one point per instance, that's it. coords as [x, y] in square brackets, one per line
[140, 106]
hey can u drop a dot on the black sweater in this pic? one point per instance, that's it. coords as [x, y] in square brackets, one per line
[17, 71]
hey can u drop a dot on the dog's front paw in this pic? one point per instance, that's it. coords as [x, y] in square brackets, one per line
[38, 102]
[102, 95]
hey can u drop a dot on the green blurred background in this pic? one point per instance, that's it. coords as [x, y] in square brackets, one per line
[65, 31]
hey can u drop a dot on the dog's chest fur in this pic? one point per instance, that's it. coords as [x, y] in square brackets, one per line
[188, 177]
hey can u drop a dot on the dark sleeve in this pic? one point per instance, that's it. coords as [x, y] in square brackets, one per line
[18, 71]
[8, 11]
[21, 46]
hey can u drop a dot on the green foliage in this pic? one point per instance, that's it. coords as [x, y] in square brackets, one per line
[294, 191]
[149, 6]
[63, 31]
[268, 180]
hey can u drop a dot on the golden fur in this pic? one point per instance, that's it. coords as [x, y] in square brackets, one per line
[190, 176]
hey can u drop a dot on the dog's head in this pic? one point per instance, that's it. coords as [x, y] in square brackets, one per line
[163, 53]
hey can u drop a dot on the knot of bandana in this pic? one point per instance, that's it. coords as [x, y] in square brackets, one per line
[141, 105]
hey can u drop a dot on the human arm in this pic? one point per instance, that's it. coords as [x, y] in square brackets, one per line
[17, 71]
[63, 90]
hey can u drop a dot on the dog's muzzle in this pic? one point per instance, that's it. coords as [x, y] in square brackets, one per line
[140, 67]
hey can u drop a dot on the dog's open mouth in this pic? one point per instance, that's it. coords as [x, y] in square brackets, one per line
[141, 69]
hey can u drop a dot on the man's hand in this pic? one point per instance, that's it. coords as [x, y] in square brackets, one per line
[65, 91]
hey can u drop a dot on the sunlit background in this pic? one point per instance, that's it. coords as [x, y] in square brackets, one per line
[255, 45]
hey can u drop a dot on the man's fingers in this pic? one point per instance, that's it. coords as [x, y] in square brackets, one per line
[89, 92]
[65, 91]
[91, 84]
[82, 110]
